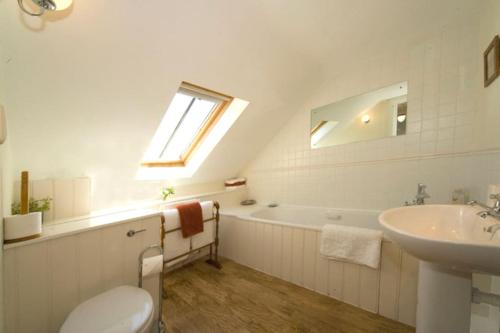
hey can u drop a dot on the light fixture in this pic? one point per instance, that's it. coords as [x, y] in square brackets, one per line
[52, 5]
[365, 119]
[401, 118]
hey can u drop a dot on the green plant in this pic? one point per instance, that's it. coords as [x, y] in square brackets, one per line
[40, 205]
[166, 192]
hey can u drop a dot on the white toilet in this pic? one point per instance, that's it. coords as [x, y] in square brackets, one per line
[124, 309]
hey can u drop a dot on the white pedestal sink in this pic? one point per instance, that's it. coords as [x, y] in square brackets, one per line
[451, 243]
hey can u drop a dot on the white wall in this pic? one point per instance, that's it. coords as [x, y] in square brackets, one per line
[445, 82]
[5, 171]
[489, 98]
[5, 200]
[87, 89]
[2, 86]
[450, 124]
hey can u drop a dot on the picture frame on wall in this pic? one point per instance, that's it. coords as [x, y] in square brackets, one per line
[492, 61]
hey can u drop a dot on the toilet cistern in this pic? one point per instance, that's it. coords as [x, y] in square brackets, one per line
[420, 197]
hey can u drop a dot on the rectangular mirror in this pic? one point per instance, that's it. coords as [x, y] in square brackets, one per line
[370, 116]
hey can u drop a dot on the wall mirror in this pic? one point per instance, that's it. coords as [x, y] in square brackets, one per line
[369, 116]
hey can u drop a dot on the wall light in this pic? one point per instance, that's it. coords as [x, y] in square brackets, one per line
[401, 118]
[52, 5]
[365, 119]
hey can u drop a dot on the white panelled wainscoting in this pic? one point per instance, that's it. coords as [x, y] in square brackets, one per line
[47, 277]
[46, 280]
[292, 254]
[70, 196]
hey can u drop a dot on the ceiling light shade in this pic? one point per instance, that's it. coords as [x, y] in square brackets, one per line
[52, 5]
[401, 118]
[365, 119]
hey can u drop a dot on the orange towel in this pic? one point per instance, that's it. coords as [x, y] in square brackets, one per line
[191, 218]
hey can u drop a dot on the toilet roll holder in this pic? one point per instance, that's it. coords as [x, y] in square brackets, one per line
[161, 324]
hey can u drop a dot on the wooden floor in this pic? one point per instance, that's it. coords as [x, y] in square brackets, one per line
[201, 298]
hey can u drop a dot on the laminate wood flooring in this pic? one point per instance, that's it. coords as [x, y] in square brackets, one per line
[201, 298]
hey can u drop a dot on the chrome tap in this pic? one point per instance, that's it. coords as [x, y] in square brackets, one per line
[493, 211]
[421, 194]
[492, 229]
[420, 197]
[496, 205]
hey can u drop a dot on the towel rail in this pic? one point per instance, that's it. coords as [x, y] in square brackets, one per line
[213, 257]
[177, 229]
[188, 253]
[161, 324]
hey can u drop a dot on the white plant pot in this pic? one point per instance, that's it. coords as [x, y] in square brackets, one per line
[18, 228]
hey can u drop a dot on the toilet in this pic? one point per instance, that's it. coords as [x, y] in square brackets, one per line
[123, 309]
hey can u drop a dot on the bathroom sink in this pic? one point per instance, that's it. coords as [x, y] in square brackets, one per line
[448, 235]
[451, 243]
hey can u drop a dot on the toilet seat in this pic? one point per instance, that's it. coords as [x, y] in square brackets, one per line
[124, 309]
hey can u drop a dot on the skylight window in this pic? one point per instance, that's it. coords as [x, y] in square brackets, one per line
[188, 120]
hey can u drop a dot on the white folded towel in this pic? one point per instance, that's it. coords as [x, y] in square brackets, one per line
[207, 208]
[173, 221]
[351, 244]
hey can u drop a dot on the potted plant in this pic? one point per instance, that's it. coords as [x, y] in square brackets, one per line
[35, 205]
[26, 220]
[167, 192]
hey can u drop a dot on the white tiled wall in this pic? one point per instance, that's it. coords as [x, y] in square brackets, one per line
[444, 146]
[440, 149]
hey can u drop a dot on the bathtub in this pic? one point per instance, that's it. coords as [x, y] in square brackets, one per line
[284, 242]
[315, 217]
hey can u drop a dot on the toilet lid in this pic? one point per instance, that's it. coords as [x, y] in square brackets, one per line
[124, 309]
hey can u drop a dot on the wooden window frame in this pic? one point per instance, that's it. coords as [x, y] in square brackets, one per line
[318, 126]
[202, 133]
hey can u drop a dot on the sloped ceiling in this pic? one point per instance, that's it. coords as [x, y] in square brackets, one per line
[334, 31]
[86, 89]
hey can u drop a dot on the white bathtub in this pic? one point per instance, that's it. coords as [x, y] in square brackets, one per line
[315, 217]
[284, 242]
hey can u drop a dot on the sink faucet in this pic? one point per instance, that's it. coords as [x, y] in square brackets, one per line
[492, 229]
[421, 194]
[493, 211]
[420, 197]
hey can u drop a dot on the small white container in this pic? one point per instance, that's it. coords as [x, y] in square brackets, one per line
[18, 228]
